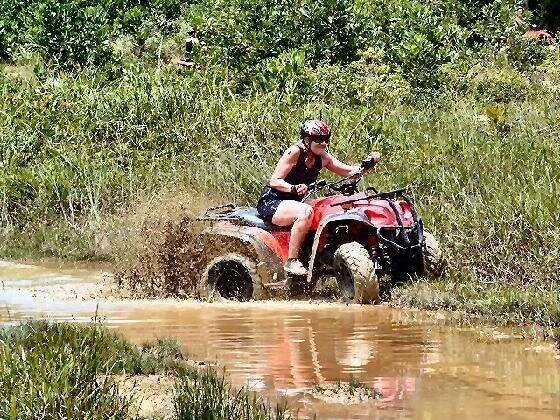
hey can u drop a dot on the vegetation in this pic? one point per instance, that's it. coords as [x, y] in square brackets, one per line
[67, 371]
[546, 13]
[209, 396]
[74, 33]
[463, 108]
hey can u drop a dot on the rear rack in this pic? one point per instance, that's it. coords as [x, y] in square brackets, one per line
[223, 212]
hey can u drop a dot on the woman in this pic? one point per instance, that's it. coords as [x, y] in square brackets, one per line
[280, 201]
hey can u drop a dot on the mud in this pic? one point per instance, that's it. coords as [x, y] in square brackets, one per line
[351, 392]
[152, 395]
[168, 261]
[167, 250]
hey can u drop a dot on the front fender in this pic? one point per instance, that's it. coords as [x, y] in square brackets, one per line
[356, 215]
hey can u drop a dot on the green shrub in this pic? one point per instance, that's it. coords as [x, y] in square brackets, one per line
[368, 80]
[498, 84]
[417, 37]
[547, 74]
[243, 33]
[74, 33]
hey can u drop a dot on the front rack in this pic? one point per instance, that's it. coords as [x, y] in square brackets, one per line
[403, 232]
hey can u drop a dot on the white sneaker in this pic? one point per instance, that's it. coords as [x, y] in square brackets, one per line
[295, 268]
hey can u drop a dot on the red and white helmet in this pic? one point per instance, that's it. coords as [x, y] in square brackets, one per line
[313, 128]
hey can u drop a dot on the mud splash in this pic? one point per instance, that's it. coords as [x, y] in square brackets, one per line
[415, 363]
[168, 261]
[166, 249]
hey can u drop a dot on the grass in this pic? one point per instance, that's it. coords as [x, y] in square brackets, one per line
[79, 151]
[209, 396]
[502, 303]
[59, 370]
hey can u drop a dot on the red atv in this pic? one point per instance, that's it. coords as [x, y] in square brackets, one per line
[355, 236]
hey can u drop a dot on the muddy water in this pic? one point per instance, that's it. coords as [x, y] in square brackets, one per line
[423, 368]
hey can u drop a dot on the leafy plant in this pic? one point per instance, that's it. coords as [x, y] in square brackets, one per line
[73, 33]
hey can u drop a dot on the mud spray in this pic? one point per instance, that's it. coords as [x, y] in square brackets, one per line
[164, 251]
[167, 251]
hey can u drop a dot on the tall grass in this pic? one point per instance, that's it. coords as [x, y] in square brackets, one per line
[53, 371]
[209, 396]
[58, 370]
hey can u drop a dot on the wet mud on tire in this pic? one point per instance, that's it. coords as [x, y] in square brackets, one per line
[355, 274]
[231, 276]
[433, 260]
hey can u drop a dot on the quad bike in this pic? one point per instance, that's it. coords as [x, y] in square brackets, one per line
[357, 237]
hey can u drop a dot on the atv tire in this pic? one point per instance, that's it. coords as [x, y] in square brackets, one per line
[355, 274]
[433, 261]
[231, 276]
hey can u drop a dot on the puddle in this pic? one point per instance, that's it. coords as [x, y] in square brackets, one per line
[423, 368]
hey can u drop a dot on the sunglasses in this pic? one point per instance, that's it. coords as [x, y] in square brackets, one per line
[320, 139]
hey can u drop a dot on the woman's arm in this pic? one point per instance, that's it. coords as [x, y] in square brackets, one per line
[344, 170]
[285, 164]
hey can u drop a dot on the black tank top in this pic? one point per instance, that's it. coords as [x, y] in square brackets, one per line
[299, 174]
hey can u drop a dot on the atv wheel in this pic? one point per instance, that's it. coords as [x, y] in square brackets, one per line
[432, 258]
[231, 276]
[355, 274]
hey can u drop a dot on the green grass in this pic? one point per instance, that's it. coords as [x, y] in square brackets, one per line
[59, 370]
[209, 396]
[78, 152]
[503, 303]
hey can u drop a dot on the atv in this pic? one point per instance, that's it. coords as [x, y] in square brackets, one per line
[356, 237]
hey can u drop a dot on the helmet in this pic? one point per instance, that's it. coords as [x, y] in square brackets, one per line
[312, 128]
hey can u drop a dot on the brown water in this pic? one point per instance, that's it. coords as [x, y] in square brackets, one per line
[424, 368]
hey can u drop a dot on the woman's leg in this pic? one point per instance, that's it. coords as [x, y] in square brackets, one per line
[300, 215]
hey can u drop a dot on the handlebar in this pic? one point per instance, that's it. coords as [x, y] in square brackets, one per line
[368, 163]
[338, 186]
[342, 185]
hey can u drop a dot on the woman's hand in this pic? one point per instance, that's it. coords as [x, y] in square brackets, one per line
[376, 156]
[370, 162]
[300, 189]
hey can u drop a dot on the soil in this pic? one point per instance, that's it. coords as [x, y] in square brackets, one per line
[344, 393]
[152, 394]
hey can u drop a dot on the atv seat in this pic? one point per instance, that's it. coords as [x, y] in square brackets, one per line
[249, 216]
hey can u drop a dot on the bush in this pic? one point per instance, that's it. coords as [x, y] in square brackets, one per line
[243, 33]
[368, 80]
[74, 33]
[547, 73]
[417, 37]
[498, 84]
